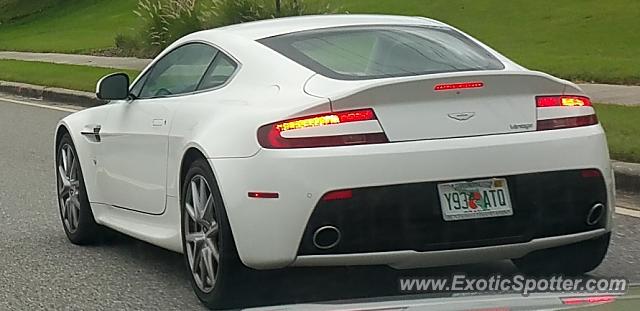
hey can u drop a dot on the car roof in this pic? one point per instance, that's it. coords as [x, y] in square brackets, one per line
[279, 26]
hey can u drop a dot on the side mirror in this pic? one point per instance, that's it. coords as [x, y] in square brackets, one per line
[113, 87]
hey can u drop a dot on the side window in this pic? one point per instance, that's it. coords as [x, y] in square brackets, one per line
[219, 73]
[178, 72]
[137, 88]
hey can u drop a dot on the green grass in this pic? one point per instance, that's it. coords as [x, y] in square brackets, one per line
[587, 40]
[621, 123]
[14, 9]
[73, 77]
[73, 26]
[584, 40]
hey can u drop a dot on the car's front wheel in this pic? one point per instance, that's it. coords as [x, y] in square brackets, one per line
[574, 259]
[75, 211]
[209, 250]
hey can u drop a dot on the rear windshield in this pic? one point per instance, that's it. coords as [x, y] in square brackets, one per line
[358, 53]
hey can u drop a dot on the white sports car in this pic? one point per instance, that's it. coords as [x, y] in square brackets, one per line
[339, 140]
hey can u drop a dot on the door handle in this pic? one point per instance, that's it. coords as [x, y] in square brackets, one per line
[159, 122]
[92, 132]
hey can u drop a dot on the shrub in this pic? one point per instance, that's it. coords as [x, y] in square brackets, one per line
[127, 45]
[164, 21]
[217, 13]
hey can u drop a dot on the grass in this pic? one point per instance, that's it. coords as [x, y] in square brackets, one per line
[623, 130]
[73, 77]
[584, 40]
[15, 9]
[72, 26]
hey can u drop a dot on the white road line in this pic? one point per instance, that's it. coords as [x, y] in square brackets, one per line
[627, 212]
[19, 102]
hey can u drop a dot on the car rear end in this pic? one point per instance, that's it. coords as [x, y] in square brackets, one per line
[464, 159]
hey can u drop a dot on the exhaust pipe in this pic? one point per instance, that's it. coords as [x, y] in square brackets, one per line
[326, 237]
[595, 214]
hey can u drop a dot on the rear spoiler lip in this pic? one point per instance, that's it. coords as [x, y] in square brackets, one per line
[345, 88]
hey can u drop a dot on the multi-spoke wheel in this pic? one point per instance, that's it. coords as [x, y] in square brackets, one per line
[201, 233]
[209, 249]
[69, 187]
[75, 212]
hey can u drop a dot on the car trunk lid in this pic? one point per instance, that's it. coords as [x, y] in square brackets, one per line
[444, 105]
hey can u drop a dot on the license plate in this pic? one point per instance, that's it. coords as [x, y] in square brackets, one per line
[475, 199]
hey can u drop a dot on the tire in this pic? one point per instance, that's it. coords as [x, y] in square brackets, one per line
[571, 260]
[230, 274]
[75, 211]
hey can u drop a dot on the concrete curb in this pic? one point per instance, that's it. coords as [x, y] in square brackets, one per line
[84, 99]
[627, 176]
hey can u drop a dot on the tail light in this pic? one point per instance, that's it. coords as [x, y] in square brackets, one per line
[561, 120]
[272, 136]
[566, 101]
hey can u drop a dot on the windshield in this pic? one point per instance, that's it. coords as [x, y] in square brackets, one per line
[358, 53]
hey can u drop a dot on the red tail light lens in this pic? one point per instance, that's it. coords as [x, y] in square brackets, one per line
[565, 122]
[270, 136]
[560, 123]
[566, 101]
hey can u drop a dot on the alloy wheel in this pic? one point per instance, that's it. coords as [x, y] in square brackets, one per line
[201, 233]
[69, 187]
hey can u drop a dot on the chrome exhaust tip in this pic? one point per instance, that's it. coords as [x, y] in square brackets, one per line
[595, 214]
[326, 237]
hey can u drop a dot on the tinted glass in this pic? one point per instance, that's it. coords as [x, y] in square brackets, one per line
[219, 73]
[383, 51]
[178, 72]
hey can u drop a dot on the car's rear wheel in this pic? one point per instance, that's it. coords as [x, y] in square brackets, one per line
[574, 259]
[75, 211]
[209, 250]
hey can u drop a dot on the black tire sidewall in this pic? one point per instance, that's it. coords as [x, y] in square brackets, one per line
[87, 231]
[229, 267]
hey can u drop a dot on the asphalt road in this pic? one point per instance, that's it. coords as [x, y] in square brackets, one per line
[40, 269]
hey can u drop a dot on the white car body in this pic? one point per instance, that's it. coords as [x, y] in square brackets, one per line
[133, 175]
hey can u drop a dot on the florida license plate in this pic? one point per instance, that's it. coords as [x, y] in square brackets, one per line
[475, 199]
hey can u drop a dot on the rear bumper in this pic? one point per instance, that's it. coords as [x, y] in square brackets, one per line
[409, 216]
[268, 232]
[414, 259]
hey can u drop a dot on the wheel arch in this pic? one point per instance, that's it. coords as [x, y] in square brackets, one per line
[60, 131]
[190, 155]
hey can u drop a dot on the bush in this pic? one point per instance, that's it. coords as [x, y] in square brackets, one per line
[127, 45]
[167, 20]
